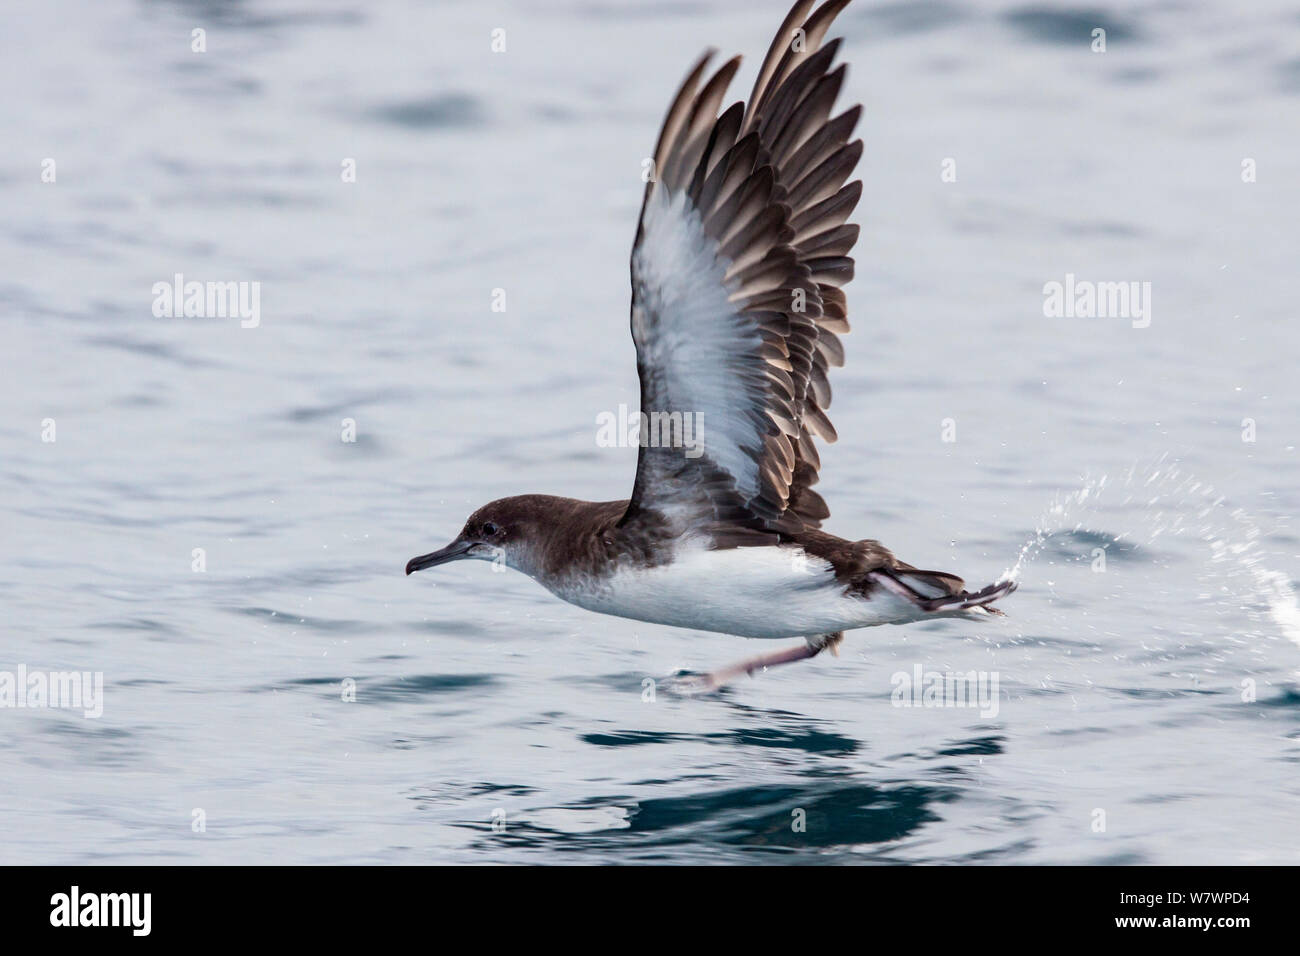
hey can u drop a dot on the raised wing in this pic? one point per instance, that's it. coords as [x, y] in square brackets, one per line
[736, 269]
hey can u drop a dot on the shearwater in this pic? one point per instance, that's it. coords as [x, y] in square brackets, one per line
[737, 307]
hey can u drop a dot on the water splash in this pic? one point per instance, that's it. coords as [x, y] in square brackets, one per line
[1055, 521]
[1166, 501]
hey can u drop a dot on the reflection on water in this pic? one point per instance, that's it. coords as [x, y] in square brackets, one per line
[202, 533]
[830, 801]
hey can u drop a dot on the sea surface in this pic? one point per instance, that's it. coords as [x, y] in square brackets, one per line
[181, 510]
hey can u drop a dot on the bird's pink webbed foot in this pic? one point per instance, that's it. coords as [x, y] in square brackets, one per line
[707, 683]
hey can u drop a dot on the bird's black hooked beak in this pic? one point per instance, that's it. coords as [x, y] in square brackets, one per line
[457, 549]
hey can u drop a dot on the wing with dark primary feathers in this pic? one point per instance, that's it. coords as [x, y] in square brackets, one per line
[736, 303]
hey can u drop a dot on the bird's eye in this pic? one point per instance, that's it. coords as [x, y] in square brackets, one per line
[489, 529]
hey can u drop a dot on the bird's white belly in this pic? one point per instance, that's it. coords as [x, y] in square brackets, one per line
[768, 592]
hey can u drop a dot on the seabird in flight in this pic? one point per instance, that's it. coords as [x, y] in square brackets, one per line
[737, 309]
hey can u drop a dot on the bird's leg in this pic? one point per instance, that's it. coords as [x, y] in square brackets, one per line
[811, 647]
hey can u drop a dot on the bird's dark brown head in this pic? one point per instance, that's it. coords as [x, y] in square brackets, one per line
[501, 531]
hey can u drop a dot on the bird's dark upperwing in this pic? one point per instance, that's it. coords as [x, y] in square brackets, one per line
[736, 269]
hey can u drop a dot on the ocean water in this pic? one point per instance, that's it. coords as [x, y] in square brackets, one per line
[199, 532]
